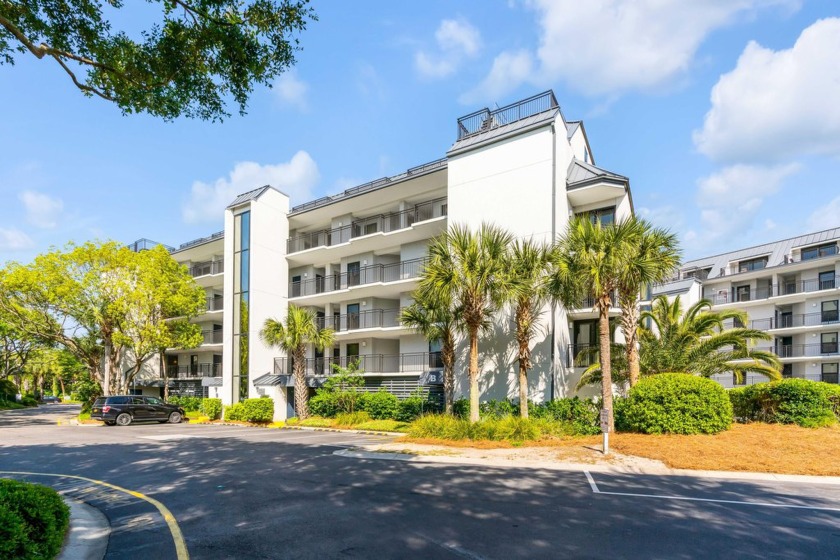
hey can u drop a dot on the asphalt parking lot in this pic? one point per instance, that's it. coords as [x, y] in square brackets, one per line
[238, 492]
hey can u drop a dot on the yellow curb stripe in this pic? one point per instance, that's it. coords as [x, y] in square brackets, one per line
[177, 536]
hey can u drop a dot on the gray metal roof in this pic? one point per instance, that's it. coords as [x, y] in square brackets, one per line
[775, 252]
[675, 287]
[248, 196]
[211, 381]
[571, 127]
[496, 131]
[581, 174]
[271, 380]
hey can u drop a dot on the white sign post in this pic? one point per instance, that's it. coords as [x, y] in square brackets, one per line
[605, 428]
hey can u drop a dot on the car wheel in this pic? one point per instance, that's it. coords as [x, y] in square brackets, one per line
[124, 419]
[175, 418]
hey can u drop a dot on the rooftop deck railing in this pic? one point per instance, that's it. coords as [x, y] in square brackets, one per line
[414, 362]
[200, 240]
[485, 119]
[782, 289]
[365, 275]
[391, 221]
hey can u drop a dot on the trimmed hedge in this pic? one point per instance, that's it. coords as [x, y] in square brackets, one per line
[212, 408]
[189, 404]
[381, 405]
[251, 410]
[806, 403]
[33, 520]
[677, 403]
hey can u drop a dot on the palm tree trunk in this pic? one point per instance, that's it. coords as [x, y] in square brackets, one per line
[523, 318]
[301, 390]
[630, 326]
[523, 389]
[448, 357]
[606, 369]
[474, 374]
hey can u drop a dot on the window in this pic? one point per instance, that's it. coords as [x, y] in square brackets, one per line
[825, 250]
[830, 373]
[829, 312]
[827, 280]
[787, 370]
[700, 274]
[742, 293]
[828, 343]
[241, 308]
[752, 264]
[603, 216]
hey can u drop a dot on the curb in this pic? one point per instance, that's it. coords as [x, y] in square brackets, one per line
[88, 535]
[364, 432]
[577, 467]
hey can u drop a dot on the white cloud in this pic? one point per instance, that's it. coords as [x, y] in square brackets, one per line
[291, 90]
[14, 240]
[609, 47]
[730, 199]
[296, 178]
[778, 104]
[826, 217]
[456, 41]
[508, 68]
[42, 210]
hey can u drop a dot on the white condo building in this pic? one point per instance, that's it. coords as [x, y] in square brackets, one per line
[354, 259]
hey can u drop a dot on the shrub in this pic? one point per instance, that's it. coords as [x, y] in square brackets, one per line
[803, 402]
[508, 428]
[86, 391]
[579, 417]
[461, 408]
[323, 404]
[497, 409]
[677, 403]
[413, 407]
[441, 426]
[352, 418]
[211, 408]
[8, 390]
[29, 400]
[381, 405]
[33, 520]
[251, 410]
[189, 404]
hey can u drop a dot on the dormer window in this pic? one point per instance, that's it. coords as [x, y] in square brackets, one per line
[603, 216]
[699, 273]
[752, 264]
[818, 251]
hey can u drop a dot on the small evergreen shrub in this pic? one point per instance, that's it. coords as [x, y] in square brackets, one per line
[323, 404]
[189, 404]
[497, 409]
[806, 403]
[677, 403]
[352, 418]
[8, 390]
[33, 520]
[381, 405]
[86, 391]
[251, 410]
[411, 408]
[461, 408]
[580, 417]
[211, 408]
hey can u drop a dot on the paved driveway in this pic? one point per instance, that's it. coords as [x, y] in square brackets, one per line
[257, 493]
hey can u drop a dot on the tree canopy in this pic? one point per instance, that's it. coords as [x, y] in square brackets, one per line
[188, 62]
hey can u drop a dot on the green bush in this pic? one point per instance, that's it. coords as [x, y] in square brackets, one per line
[381, 405]
[86, 391]
[810, 404]
[251, 410]
[441, 426]
[212, 408]
[352, 418]
[497, 409]
[323, 404]
[677, 403]
[29, 401]
[461, 408]
[579, 417]
[508, 428]
[8, 390]
[189, 404]
[33, 520]
[411, 408]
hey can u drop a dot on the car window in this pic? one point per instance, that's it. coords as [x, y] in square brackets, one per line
[117, 400]
[137, 400]
[153, 400]
[99, 402]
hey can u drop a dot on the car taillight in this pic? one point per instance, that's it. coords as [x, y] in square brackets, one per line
[106, 408]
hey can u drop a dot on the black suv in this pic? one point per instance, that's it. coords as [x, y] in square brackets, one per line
[124, 409]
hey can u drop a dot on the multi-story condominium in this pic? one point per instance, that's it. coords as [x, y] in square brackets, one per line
[354, 259]
[788, 288]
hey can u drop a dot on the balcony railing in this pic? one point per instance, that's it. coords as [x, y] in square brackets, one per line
[206, 267]
[200, 240]
[416, 362]
[194, 371]
[804, 350]
[372, 274]
[798, 320]
[580, 355]
[782, 289]
[373, 224]
[215, 303]
[369, 319]
[212, 337]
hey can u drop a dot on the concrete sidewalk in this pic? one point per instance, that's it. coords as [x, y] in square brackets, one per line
[89, 532]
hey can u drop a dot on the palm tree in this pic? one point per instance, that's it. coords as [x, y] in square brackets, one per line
[437, 321]
[299, 331]
[528, 268]
[588, 259]
[468, 268]
[654, 255]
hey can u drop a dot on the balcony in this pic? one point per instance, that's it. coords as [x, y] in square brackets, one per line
[212, 337]
[373, 274]
[410, 363]
[804, 350]
[370, 319]
[194, 371]
[214, 303]
[207, 268]
[798, 320]
[384, 223]
[579, 356]
[782, 289]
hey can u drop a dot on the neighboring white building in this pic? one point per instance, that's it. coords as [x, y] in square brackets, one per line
[354, 258]
[789, 289]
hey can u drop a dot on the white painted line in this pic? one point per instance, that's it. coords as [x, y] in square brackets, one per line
[712, 500]
[169, 437]
[592, 482]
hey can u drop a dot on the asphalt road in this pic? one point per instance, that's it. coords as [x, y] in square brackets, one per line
[256, 493]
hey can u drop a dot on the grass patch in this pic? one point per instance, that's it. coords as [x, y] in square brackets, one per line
[193, 414]
[84, 418]
[772, 448]
[383, 426]
[9, 405]
[314, 422]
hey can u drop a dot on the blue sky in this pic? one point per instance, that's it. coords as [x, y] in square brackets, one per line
[723, 113]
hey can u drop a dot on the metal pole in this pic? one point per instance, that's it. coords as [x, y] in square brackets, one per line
[606, 443]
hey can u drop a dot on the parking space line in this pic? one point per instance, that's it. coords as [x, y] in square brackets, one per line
[174, 529]
[596, 490]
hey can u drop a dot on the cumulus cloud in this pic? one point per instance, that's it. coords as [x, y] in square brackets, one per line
[42, 210]
[207, 201]
[609, 47]
[778, 104]
[826, 217]
[291, 90]
[456, 41]
[14, 240]
[730, 200]
[508, 68]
